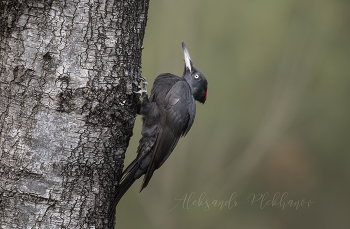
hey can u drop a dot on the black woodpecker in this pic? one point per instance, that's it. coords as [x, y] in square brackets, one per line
[167, 115]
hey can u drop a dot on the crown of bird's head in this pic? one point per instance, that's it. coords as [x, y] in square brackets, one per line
[194, 77]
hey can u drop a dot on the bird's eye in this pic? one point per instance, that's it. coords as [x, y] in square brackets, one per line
[196, 76]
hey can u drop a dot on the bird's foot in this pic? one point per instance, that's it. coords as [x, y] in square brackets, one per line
[143, 88]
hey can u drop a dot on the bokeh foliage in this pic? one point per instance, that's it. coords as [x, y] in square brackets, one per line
[276, 118]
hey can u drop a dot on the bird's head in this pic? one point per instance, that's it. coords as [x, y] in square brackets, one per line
[196, 80]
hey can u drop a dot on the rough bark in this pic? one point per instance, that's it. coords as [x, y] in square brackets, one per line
[68, 70]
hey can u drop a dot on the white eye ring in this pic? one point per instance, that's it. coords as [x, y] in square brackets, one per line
[196, 76]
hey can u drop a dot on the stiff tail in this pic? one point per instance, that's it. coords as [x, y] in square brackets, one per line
[126, 183]
[133, 172]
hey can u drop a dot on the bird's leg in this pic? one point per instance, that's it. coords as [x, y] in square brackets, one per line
[143, 92]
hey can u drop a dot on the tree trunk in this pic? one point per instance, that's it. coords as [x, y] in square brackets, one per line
[68, 70]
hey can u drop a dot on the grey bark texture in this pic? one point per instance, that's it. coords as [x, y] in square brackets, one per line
[68, 70]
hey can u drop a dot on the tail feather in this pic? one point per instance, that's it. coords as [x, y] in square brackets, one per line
[134, 171]
[123, 187]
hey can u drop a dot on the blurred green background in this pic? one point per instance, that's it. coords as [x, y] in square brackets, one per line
[276, 119]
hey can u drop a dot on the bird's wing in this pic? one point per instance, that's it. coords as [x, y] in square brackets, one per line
[177, 120]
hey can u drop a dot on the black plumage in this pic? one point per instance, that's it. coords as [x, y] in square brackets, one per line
[168, 114]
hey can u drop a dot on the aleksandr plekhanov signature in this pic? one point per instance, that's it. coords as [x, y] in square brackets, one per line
[262, 200]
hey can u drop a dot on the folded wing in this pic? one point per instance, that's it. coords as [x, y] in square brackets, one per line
[177, 120]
